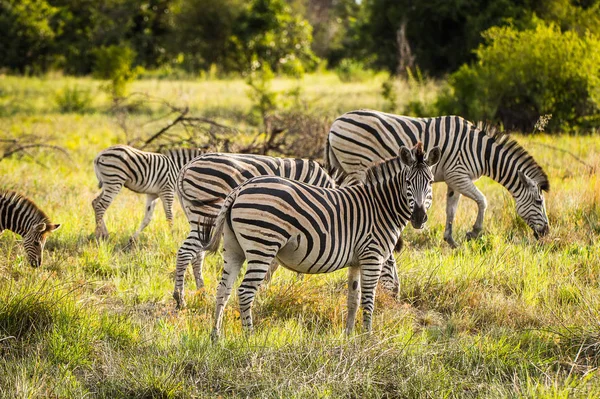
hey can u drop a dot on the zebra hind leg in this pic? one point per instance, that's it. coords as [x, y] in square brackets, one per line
[101, 204]
[197, 263]
[258, 267]
[233, 259]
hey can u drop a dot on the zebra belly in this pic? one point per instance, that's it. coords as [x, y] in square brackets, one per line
[296, 256]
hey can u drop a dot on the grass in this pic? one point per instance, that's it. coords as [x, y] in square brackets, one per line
[503, 316]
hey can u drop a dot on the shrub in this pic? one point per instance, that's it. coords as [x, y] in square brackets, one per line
[73, 99]
[520, 75]
[114, 63]
[353, 71]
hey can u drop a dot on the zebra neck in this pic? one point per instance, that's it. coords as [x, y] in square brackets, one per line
[502, 162]
[390, 206]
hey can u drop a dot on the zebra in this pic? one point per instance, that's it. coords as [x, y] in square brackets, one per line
[317, 230]
[143, 172]
[204, 183]
[20, 215]
[358, 138]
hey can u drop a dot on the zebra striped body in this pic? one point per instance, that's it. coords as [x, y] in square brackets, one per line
[310, 229]
[204, 183]
[358, 138]
[21, 216]
[143, 172]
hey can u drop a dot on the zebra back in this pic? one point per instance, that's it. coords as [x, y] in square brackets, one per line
[211, 177]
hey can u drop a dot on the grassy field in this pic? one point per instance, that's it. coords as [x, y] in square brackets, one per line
[501, 317]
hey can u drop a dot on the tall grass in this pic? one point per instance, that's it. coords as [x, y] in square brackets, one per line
[501, 316]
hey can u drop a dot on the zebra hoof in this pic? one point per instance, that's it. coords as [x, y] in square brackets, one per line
[215, 335]
[451, 242]
[471, 235]
[179, 300]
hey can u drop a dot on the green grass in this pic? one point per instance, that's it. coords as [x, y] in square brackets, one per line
[503, 316]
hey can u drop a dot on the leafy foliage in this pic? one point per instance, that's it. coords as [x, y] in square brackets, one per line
[520, 75]
[115, 64]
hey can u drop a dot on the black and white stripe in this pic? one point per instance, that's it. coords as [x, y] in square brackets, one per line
[358, 138]
[310, 229]
[144, 172]
[204, 183]
[21, 216]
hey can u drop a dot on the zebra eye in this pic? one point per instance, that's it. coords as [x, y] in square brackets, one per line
[539, 202]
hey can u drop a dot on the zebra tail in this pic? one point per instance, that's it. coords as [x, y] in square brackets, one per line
[181, 194]
[97, 172]
[211, 229]
[332, 164]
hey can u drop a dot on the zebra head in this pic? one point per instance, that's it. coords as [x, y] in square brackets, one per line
[531, 205]
[35, 240]
[418, 180]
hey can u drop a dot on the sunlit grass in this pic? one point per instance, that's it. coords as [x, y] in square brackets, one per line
[501, 316]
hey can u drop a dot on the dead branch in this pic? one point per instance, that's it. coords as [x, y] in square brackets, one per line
[24, 145]
[581, 161]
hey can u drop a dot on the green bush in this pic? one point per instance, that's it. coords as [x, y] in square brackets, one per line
[114, 63]
[73, 99]
[350, 70]
[520, 75]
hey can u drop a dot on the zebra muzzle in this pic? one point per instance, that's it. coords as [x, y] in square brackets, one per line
[418, 217]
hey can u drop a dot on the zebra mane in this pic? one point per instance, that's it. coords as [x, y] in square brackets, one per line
[505, 140]
[384, 170]
[13, 197]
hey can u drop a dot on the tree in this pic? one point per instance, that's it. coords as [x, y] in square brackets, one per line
[27, 36]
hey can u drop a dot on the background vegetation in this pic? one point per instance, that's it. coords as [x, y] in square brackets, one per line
[508, 61]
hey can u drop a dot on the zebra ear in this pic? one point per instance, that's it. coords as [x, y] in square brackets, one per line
[525, 179]
[406, 156]
[52, 227]
[434, 156]
[41, 227]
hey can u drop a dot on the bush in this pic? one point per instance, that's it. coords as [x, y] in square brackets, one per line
[73, 99]
[353, 71]
[115, 64]
[520, 75]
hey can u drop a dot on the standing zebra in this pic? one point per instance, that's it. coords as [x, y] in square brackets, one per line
[204, 183]
[21, 216]
[142, 172]
[316, 230]
[358, 138]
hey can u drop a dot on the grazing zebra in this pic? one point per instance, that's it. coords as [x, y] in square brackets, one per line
[358, 138]
[316, 230]
[142, 172]
[21, 216]
[204, 183]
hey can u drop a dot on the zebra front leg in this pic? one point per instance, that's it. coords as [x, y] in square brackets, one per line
[233, 259]
[369, 276]
[471, 191]
[452, 198]
[101, 204]
[389, 275]
[353, 296]
[149, 211]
